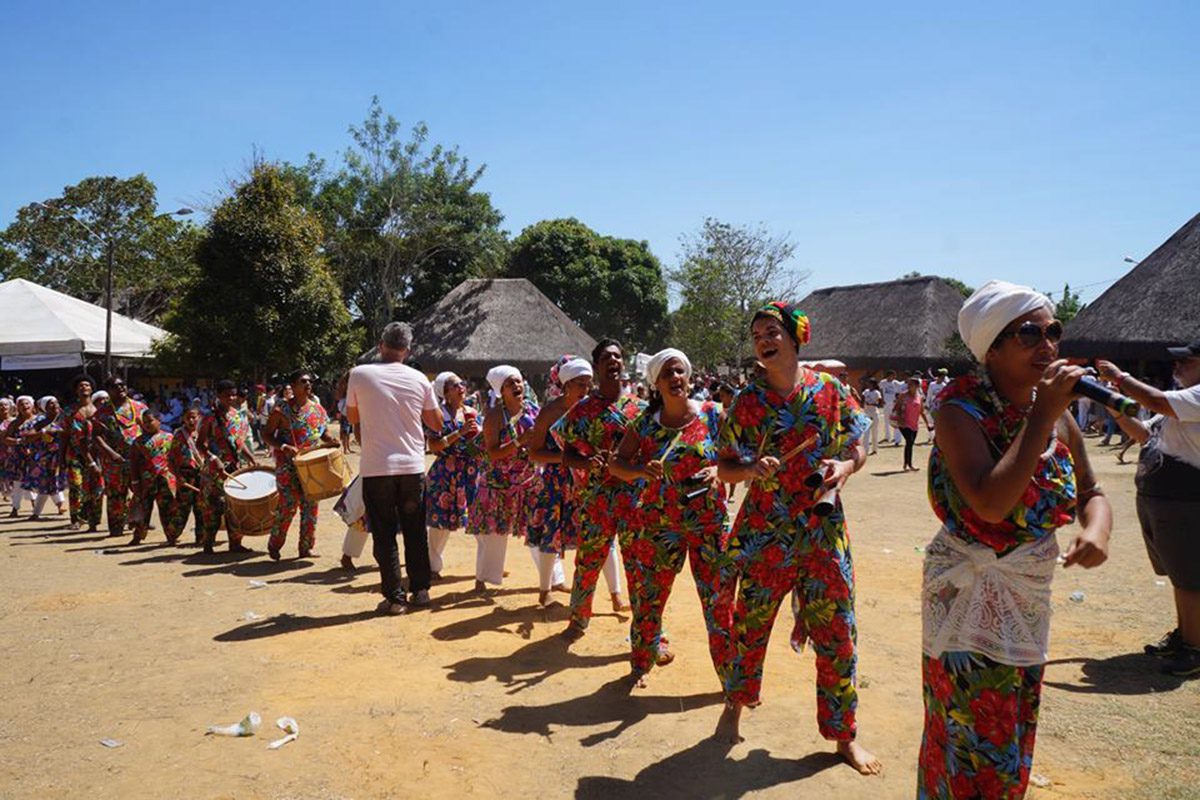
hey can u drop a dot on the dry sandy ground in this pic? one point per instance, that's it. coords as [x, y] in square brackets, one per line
[477, 697]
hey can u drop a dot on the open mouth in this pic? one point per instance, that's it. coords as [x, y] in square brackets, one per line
[767, 353]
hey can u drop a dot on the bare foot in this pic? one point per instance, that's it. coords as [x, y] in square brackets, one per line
[637, 680]
[347, 563]
[618, 603]
[480, 587]
[665, 657]
[505, 574]
[860, 758]
[561, 587]
[573, 633]
[728, 724]
[543, 599]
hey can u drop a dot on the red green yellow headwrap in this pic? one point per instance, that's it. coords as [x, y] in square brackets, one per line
[793, 320]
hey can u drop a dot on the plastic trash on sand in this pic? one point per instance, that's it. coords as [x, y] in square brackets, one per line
[288, 726]
[258, 584]
[112, 743]
[250, 616]
[1078, 597]
[247, 727]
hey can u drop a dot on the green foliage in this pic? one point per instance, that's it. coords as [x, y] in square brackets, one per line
[609, 286]
[1069, 305]
[263, 300]
[725, 274]
[62, 243]
[404, 223]
[963, 289]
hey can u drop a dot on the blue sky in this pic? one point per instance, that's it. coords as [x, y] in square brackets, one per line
[1039, 144]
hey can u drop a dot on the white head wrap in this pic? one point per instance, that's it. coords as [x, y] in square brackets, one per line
[439, 384]
[660, 358]
[24, 397]
[100, 395]
[993, 306]
[498, 375]
[575, 368]
[43, 402]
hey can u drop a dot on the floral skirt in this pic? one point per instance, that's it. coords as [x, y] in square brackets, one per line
[552, 522]
[980, 726]
[499, 511]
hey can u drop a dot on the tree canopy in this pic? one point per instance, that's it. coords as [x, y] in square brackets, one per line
[609, 286]
[62, 243]
[263, 300]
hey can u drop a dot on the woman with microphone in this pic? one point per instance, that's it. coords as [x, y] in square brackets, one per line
[1008, 468]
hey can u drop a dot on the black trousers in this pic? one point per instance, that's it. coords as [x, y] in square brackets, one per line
[910, 436]
[398, 501]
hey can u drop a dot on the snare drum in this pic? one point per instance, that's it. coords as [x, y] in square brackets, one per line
[323, 473]
[251, 500]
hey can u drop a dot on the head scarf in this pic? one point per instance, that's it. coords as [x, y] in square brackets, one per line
[572, 369]
[498, 375]
[990, 308]
[554, 381]
[439, 384]
[793, 320]
[43, 402]
[24, 397]
[98, 396]
[659, 359]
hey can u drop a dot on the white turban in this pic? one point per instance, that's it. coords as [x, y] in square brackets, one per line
[439, 384]
[24, 397]
[100, 395]
[575, 368]
[43, 402]
[660, 358]
[498, 375]
[992, 307]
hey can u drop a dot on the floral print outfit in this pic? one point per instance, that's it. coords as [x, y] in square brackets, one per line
[502, 497]
[307, 424]
[153, 481]
[85, 484]
[120, 428]
[44, 473]
[450, 484]
[226, 436]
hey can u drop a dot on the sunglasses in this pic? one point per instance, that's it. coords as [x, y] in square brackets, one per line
[1030, 334]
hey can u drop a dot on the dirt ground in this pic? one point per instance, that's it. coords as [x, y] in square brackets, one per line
[478, 697]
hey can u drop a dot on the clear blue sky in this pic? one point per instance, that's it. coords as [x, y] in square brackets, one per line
[1037, 144]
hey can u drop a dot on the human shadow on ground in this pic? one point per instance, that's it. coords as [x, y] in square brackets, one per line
[887, 473]
[333, 576]
[612, 704]
[92, 539]
[280, 624]
[191, 556]
[1127, 673]
[705, 771]
[498, 620]
[529, 665]
[251, 568]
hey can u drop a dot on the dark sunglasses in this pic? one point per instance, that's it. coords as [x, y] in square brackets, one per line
[1030, 334]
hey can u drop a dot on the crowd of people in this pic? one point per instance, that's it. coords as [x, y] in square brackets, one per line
[643, 480]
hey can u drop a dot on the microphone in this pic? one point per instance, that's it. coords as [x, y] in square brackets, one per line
[1090, 388]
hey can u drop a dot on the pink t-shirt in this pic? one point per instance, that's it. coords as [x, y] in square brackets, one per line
[911, 416]
[389, 398]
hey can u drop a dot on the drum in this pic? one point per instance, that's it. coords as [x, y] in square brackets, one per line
[323, 473]
[251, 500]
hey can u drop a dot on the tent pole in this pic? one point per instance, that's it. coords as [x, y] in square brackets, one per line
[108, 281]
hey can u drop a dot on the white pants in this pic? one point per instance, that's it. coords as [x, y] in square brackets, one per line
[890, 433]
[612, 570]
[873, 435]
[437, 546]
[549, 569]
[59, 500]
[490, 550]
[19, 495]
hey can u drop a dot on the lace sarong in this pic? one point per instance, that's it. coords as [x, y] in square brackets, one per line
[974, 601]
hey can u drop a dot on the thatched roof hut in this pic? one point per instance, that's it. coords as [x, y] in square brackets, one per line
[901, 325]
[483, 322]
[1154, 306]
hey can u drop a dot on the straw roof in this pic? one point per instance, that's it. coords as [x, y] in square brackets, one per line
[900, 325]
[483, 322]
[1157, 304]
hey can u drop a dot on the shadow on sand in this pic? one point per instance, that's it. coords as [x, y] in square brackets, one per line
[529, 665]
[288, 623]
[1127, 673]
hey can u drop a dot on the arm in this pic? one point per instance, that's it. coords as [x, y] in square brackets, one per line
[432, 419]
[1148, 396]
[538, 452]
[491, 436]
[1133, 428]
[1090, 548]
[621, 464]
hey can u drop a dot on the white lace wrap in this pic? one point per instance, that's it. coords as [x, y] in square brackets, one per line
[999, 607]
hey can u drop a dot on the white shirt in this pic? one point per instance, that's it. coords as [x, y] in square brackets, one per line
[872, 398]
[1181, 437]
[390, 398]
[890, 390]
[935, 388]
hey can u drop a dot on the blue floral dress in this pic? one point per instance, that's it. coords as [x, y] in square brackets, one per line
[503, 494]
[450, 484]
[553, 526]
[981, 715]
[44, 466]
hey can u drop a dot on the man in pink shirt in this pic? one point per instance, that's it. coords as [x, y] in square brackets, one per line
[390, 404]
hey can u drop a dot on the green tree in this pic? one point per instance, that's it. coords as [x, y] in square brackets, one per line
[263, 300]
[725, 273]
[1068, 305]
[404, 221]
[609, 286]
[63, 242]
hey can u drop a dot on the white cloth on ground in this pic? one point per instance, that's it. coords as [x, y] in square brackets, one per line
[974, 601]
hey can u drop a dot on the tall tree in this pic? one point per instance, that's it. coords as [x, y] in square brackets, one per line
[1068, 305]
[263, 300]
[404, 221]
[726, 272]
[63, 243]
[611, 287]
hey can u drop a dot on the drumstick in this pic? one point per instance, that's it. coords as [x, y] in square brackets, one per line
[188, 485]
[795, 451]
[235, 480]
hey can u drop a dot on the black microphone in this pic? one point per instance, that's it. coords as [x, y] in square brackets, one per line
[1090, 388]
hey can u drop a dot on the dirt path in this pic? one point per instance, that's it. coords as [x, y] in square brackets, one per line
[150, 645]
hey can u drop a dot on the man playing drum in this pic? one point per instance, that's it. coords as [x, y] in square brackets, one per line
[225, 434]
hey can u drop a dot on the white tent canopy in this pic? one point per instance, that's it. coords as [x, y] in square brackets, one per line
[44, 329]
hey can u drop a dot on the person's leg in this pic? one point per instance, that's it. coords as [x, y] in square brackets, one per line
[544, 564]
[612, 570]
[211, 509]
[75, 491]
[379, 497]
[308, 527]
[910, 437]
[595, 545]
[18, 497]
[658, 558]
[716, 585]
[490, 550]
[411, 492]
[287, 482]
[874, 430]
[558, 574]
[438, 537]
[117, 494]
[1187, 607]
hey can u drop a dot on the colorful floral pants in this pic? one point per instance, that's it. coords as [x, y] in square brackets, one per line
[117, 486]
[595, 541]
[980, 726]
[199, 506]
[291, 498]
[86, 490]
[814, 562]
[655, 558]
[143, 505]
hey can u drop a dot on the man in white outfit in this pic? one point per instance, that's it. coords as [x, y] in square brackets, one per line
[891, 389]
